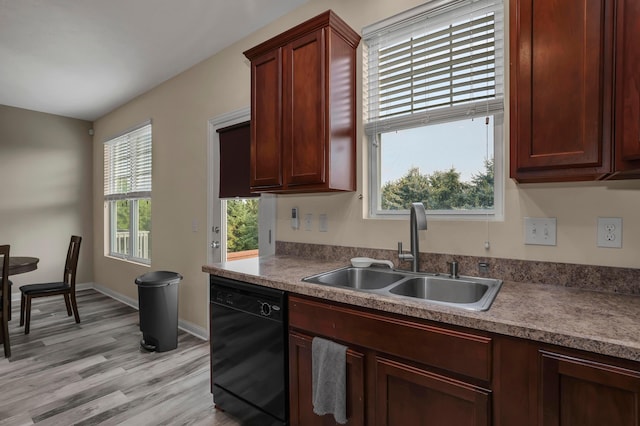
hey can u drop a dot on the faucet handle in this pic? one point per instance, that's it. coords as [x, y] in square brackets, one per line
[403, 256]
[453, 269]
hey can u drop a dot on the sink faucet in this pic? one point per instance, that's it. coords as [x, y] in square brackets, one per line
[417, 222]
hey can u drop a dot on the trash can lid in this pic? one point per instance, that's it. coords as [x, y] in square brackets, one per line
[158, 279]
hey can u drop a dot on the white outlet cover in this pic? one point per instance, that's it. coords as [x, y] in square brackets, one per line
[540, 231]
[308, 222]
[323, 225]
[609, 232]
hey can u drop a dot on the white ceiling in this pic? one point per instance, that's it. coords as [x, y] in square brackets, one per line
[83, 58]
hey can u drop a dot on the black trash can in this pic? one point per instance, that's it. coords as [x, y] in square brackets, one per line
[158, 303]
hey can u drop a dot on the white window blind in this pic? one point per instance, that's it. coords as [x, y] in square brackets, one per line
[127, 165]
[439, 62]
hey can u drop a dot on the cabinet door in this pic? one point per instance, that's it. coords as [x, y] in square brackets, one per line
[406, 395]
[578, 392]
[266, 120]
[628, 87]
[304, 110]
[300, 390]
[561, 89]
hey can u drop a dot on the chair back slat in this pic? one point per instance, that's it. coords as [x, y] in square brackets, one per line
[4, 280]
[71, 264]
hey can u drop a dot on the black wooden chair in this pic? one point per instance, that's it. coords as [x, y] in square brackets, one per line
[5, 300]
[66, 287]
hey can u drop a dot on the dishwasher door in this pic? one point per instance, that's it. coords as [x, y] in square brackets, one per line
[248, 351]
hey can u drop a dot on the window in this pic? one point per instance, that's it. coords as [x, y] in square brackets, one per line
[434, 109]
[242, 228]
[127, 193]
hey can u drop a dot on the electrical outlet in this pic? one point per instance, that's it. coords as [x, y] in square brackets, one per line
[540, 231]
[323, 225]
[610, 232]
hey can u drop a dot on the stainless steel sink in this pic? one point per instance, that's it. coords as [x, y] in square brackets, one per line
[441, 289]
[357, 278]
[471, 293]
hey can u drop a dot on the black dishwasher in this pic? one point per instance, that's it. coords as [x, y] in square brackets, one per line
[249, 369]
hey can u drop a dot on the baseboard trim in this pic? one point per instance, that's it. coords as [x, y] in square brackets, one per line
[183, 325]
[193, 329]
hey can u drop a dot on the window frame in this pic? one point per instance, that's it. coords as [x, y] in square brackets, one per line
[134, 196]
[497, 213]
[474, 109]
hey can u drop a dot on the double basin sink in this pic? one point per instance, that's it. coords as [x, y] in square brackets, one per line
[464, 292]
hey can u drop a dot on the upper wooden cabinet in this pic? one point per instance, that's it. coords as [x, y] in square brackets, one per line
[627, 125]
[574, 79]
[561, 76]
[303, 108]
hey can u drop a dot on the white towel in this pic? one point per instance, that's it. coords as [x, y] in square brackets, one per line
[329, 381]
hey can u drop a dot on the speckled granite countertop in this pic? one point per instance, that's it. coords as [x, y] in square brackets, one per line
[604, 323]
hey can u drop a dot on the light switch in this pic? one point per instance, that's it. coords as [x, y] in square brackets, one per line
[540, 231]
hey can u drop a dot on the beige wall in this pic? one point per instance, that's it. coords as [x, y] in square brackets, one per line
[45, 191]
[180, 109]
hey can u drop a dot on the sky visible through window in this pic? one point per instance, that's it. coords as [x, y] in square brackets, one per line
[430, 149]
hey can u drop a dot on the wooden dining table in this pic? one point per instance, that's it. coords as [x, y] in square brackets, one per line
[20, 265]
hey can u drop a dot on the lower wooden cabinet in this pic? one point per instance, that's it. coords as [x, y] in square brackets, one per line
[536, 384]
[404, 372]
[399, 372]
[301, 405]
[583, 392]
[406, 395]
[515, 375]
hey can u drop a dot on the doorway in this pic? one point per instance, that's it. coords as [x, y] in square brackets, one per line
[242, 228]
[223, 215]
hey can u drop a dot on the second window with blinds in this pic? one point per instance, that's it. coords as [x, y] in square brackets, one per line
[127, 194]
[434, 109]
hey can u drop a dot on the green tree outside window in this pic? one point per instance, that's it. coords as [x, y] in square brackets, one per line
[242, 225]
[440, 190]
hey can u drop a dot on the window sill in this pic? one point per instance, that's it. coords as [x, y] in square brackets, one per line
[129, 260]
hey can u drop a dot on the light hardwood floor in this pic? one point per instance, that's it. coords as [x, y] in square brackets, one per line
[93, 373]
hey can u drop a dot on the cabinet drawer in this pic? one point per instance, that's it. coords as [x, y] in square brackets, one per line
[451, 350]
